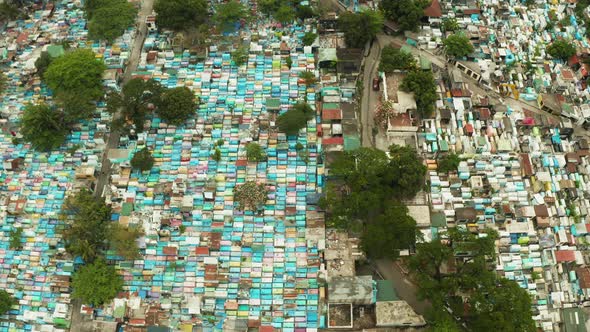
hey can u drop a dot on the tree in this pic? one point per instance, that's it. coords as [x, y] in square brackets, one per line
[42, 63]
[295, 119]
[87, 225]
[124, 241]
[289, 62]
[177, 105]
[448, 163]
[458, 45]
[43, 127]
[96, 283]
[180, 14]
[6, 301]
[309, 38]
[360, 28]
[136, 102]
[142, 160]
[15, 238]
[450, 24]
[422, 84]
[228, 14]
[304, 12]
[504, 305]
[9, 12]
[284, 14]
[406, 13]
[216, 154]
[390, 232]
[384, 113]
[3, 82]
[110, 21]
[76, 80]
[250, 195]
[254, 152]
[561, 49]
[240, 56]
[308, 78]
[395, 59]
[406, 171]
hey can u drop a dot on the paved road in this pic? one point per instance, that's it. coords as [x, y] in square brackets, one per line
[114, 137]
[404, 288]
[370, 97]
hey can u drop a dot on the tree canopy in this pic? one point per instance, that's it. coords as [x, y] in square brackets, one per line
[406, 13]
[110, 19]
[142, 160]
[295, 119]
[284, 14]
[43, 127]
[3, 82]
[561, 49]
[308, 78]
[458, 45]
[450, 24]
[124, 241]
[76, 80]
[285, 11]
[254, 152]
[137, 100]
[227, 14]
[448, 163]
[240, 56]
[87, 225]
[368, 180]
[6, 301]
[393, 58]
[250, 195]
[96, 283]
[180, 14]
[493, 301]
[177, 105]
[309, 38]
[42, 63]
[422, 84]
[390, 232]
[360, 28]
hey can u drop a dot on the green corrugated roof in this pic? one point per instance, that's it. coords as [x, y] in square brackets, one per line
[351, 143]
[273, 102]
[438, 219]
[126, 209]
[385, 291]
[425, 64]
[574, 319]
[331, 106]
[55, 51]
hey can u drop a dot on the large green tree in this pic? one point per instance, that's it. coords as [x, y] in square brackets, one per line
[228, 14]
[295, 118]
[360, 28]
[76, 80]
[136, 102]
[180, 14]
[6, 301]
[110, 19]
[406, 171]
[393, 58]
[254, 152]
[422, 84]
[86, 228]
[458, 45]
[406, 13]
[390, 232]
[177, 105]
[42, 63]
[250, 195]
[448, 163]
[561, 49]
[142, 160]
[96, 283]
[43, 127]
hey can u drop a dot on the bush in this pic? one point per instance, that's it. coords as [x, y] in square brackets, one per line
[309, 38]
[6, 302]
[561, 49]
[254, 152]
[216, 155]
[143, 160]
[250, 195]
[96, 283]
[448, 163]
[15, 237]
[395, 59]
[295, 119]
[458, 45]
[43, 127]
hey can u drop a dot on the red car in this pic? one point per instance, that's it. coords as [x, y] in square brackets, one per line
[376, 84]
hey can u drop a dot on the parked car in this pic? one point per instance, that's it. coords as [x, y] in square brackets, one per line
[376, 84]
